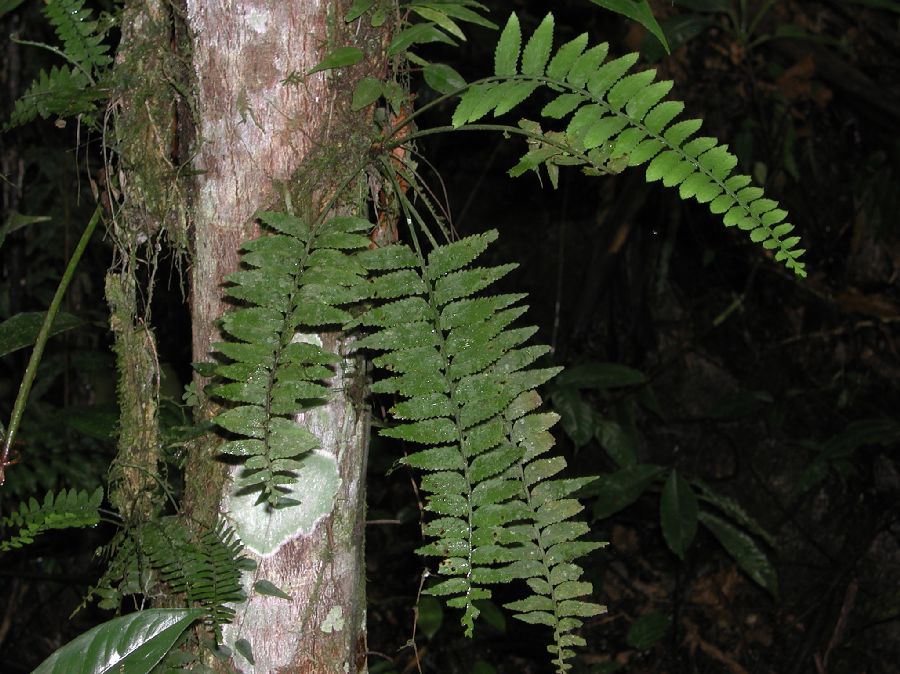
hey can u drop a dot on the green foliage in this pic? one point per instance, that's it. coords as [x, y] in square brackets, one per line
[204, 567]
[71, 89]
[616, 119]
[294, 281]
[64, 510]
[134, 643]
[468, 396]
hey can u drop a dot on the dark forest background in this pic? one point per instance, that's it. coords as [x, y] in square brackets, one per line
[774, 398]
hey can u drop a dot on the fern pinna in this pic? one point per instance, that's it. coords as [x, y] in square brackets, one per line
[469, 395]
[617, 120]
[294, 281]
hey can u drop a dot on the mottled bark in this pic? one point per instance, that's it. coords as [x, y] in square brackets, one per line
[260, 119]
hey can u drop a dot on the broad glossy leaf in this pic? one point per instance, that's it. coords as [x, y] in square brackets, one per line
[132, 644]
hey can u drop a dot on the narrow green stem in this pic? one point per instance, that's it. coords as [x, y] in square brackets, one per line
[31, 371]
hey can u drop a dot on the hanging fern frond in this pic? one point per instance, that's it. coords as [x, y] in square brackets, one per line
[469, 396]
[64, 510]
[82, 39]
[616, 119]
[294, 281]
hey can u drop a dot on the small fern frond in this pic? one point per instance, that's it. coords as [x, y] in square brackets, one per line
[81, 38]
[64, 510]
[64, 92]
[206, 568]
[464, 377]
[294, 281]
[615, 119]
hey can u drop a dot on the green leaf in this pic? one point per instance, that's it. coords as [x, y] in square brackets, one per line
[744, 550]
[619, 490]
[430, 615]
[647, 630]
[576, 414]
[565, 57]
[243, 647]
[419, 33]
[132, 644]
[506, 56]
[6, 6]
[678, 513]
[270, 589]
[734, 511]
[357, 9]
[537, 51]
[637, 10]
[21, 330]
[600, 376]
[342, 57]
[619, 441]
[367, 91]
[442, 78]
[440, 18]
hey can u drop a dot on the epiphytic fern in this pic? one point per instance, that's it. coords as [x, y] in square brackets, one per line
[294, 281]
[71, 89]
[204, 567]
[65, 510]
[615, 120]
[469, 396]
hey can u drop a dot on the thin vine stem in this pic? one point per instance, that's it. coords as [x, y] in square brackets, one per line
[43, 335]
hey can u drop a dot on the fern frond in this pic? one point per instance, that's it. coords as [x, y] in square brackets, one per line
[616, 119]
[64, 92]
[464, 376]
[206, 568]
[293, 281]
[64, 510]
[81, 37]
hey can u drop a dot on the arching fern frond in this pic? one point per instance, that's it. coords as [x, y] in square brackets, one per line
[469, 397]
[616, 119]
[64, 91]
[64, 510]
[294, 281]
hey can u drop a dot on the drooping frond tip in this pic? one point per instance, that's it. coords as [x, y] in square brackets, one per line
[616, 119]
[467, 392]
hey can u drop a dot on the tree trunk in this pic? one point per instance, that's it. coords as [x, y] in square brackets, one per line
[261, 120]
